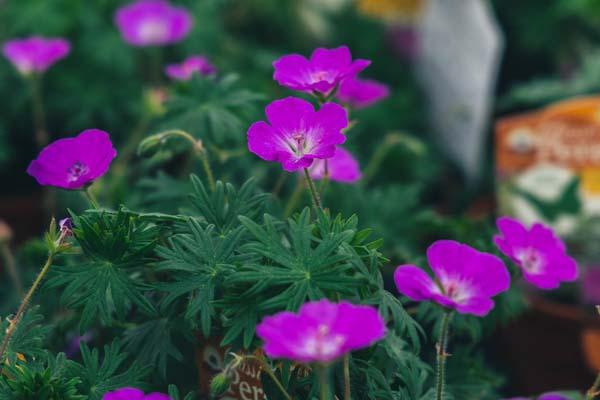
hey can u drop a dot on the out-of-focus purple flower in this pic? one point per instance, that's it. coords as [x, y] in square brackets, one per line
[35, 54]
[465, 279]
[74, 344]
[361, 93]
[73, 163]
[325, 70]
[193, 64]
[296, 134]
[590, 285]
[405, 40]
[539, 253]
[133, 394]
[547, 396]
[321, 331]
[153, 23]
[342, 167]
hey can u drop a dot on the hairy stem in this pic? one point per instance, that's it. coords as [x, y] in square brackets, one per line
[267, 368]
[313, 190]
[39, 112]
[90, 196]
[442, 355]
[294, 199]
[23, 307]
[594, 391]
[11, 267]
[347, 392]
[324, 382]
[199, 150]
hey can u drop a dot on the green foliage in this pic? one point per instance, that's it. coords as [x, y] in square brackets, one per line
[100, 375]
[40, 381]
[115, 247]
[28, 339]
[212, 109]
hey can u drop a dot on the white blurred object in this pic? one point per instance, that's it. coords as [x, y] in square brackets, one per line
[457, 64]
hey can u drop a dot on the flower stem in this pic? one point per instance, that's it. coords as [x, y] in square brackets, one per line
[347, 393]
[324, 382]
[39, 113]
[313, 190]
[294, 199]
[23, 307]
[594, 390]
[9, 259]
[208, 170]
[267, 368]
[442, 355]
[90, 196]
[199, 150]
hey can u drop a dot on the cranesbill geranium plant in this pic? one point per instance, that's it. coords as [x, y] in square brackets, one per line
[133, 394]
[74, 163]
[342, 167]
[153, 23]
[361, 93]
[296, 133]
[321, 74]
[35, 54]
[192, 65]
[539, 253]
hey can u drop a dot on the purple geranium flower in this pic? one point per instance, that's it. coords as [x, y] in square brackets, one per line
[342, 167]
[35, 54]
[325, 70]
[361, 93]
[191, 65]
[321, 331]
[547, 396]
[153, 23]
[539, 253]
[296, 133]
[465, 279]
[133, 394]
[73, 163]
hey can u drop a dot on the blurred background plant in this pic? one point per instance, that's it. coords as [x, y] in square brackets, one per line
[410, 194]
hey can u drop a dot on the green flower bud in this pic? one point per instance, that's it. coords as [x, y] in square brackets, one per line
[220, 384]
[150, 145]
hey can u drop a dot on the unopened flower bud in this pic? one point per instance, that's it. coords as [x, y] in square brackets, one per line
[220, 384]
[150, 145]
[154, 100]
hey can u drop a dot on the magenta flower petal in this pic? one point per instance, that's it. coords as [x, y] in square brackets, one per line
[153, 23]
[193, 64]
[297, 134]
[342, 167]
[539, 253]
[361, 93]
[35, 54]
[72, 163]
[156, 396]
[325, 70]
[465, 279]
[124, 394]
[414, 283]
[321, 331]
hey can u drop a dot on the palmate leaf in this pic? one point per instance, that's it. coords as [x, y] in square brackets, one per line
[212, 108]
[116, 247]
[40, 381]
[152, 341]
[198, 263]
[28, 339]
[100, 375]
[222, 207]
